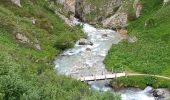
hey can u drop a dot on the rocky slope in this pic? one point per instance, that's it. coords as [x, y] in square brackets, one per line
[108, 13]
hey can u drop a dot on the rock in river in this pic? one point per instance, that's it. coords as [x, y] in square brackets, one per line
[85, 42]
[158, 93]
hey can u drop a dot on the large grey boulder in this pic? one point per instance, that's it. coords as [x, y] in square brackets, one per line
[117, 20]
[158, 93]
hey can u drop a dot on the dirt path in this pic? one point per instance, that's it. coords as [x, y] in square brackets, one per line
[159, 76]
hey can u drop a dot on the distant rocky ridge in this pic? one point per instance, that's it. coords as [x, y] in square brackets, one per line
[108, 13]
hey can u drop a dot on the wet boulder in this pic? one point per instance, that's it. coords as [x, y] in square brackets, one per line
[148, 89]
[158, 93]
[85, 42]
[104, 35]
[117, 20]
[88, 49]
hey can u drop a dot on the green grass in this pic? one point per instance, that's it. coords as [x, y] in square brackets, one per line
[141, 82]
[150, 54]
[28, 73]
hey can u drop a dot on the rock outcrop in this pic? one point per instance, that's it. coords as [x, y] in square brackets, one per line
[22, 38]
[16, 2]
[95, 11]
[123, 33]
[90, 11]
[67, 7]
[165, 2]
[137, 6]
[117, 20]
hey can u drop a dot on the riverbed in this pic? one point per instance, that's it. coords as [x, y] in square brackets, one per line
[86, 60]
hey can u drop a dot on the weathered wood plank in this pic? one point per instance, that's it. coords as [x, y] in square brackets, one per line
[101, 77]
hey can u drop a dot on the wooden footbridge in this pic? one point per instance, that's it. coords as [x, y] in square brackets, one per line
[116, 75]
[101, 77]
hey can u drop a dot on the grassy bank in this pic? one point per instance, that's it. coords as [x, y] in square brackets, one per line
[141, 82]
[151, 53]
[28, 73]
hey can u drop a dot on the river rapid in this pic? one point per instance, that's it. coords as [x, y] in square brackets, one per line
[86, 60]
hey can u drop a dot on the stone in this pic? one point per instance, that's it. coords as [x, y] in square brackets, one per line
[82, 8]
[16, 2]
[158, 93]
[148, 89]
[165, 2]
[22, 38]
[104, 35]
[34, 21]
[117, 20]
[123, 33]
[37, 46]
[137, 7]
[132, 39]
[88, 49]
[85, 42]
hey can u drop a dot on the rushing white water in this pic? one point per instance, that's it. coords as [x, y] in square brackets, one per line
[85, 60]
[126, 94]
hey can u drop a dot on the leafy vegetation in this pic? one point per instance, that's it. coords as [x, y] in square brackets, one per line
[27, 73]
[150, 54]
[142, 82]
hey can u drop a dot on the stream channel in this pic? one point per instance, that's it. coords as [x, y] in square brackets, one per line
[86, 60]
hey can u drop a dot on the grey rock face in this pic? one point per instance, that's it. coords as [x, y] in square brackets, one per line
[117, 20]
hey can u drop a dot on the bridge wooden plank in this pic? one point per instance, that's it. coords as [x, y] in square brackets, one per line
[101, 77]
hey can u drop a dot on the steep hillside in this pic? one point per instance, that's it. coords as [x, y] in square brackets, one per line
[30, 37]
[151, 53]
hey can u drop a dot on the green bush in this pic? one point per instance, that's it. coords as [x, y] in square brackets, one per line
[64, 41]
[27, 73]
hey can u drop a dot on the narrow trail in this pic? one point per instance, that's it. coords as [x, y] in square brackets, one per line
[159, 76]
